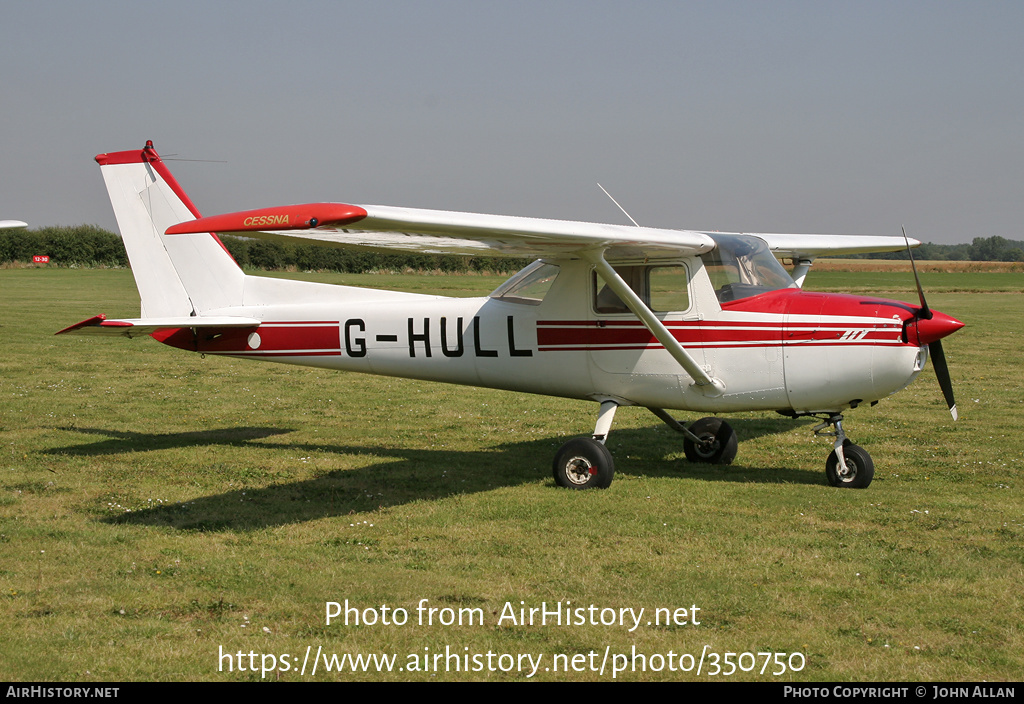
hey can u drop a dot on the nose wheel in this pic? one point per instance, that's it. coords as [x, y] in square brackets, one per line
[856, 471]
[849, 466]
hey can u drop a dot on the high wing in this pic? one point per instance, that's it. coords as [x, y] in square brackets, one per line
[448, 232]
[445, 232]
[811, 246]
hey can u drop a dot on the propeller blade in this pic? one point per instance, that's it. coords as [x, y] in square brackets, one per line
[938, 355]
[925, 312]
[942, 373]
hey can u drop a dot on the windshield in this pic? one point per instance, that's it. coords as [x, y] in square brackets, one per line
[529, 286]
[741, 266]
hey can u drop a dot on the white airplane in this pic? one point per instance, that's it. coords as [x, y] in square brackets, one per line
[696, 321]
[4, 224]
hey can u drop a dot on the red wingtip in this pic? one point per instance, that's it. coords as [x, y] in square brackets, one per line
[288, 217]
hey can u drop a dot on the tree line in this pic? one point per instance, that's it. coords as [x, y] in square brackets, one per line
[981, 249]
[92, 246]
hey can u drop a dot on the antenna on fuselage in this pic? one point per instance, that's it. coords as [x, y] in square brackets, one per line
[619, 206]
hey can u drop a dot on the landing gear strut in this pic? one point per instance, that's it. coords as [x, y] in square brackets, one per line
[849, 466]
[585, 463]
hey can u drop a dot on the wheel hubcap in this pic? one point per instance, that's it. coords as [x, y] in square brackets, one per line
[708, 446]
[850, 473]
[579, 470]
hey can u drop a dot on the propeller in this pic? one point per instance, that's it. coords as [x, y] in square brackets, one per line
[932, 334]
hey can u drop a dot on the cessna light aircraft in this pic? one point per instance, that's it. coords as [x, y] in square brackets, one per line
[665, 319]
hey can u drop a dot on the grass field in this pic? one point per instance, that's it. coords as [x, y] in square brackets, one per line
[158, 510]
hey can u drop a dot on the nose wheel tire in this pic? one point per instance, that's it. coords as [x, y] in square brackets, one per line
[718, 443]
[583, 463]
[860, 469]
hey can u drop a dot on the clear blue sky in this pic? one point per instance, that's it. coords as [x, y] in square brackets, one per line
[759, 116]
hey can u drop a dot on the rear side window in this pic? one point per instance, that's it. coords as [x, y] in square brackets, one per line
[662, 288]
[669, 288]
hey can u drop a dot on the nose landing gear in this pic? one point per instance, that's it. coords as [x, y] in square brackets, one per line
[849, 466]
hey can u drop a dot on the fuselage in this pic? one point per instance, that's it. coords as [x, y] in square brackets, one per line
[553, 330]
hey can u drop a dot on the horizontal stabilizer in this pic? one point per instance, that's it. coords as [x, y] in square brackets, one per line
[140, 327]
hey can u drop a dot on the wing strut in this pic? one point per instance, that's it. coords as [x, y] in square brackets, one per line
[799, 273]
[706, 384]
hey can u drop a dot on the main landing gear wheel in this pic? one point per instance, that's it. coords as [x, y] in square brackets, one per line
[584, 463]
[860, 469]
[718, 443]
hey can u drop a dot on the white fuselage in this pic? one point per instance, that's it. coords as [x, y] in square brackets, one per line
[789, 353]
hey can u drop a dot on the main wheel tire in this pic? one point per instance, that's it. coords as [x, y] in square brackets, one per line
[583, 463]
[860, 468]
[718, 442]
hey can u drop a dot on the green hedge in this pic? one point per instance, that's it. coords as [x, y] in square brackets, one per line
[271, 256]
[89, 245]
[78, 245]
[275, 256]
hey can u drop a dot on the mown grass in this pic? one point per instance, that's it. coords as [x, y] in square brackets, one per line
[899, 283]
[155, 506]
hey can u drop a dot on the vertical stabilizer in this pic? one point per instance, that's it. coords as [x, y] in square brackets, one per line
[176, 276]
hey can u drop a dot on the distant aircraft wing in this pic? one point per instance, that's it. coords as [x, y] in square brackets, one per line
[446, 232]
[12, 223]
[140, 327]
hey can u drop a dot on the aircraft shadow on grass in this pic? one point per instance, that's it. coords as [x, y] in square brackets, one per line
[118, 442]
[394, 476]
